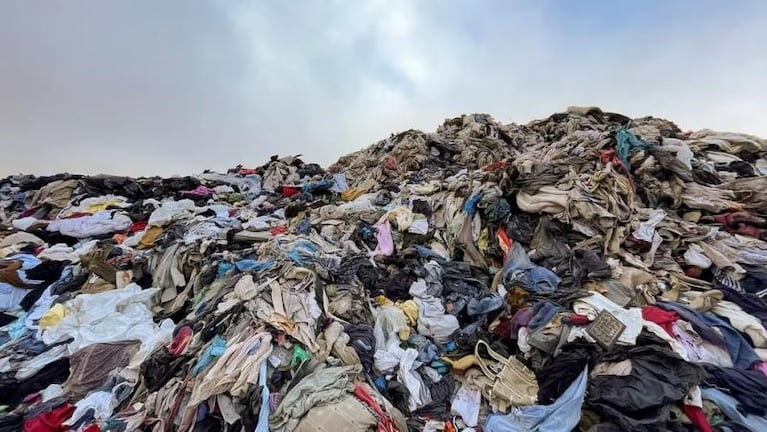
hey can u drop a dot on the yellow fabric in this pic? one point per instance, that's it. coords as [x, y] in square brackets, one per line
[93, 208]
[484, 242]
[53, 316]
[462, 363]
[383, 301]
[150, 236]
[410, 308]
[352, 194]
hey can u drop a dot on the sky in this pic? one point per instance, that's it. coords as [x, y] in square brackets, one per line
[141, 87]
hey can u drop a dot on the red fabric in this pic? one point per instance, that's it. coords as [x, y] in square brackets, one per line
[92, 428]
[661, 317]
[578, 319]
[741, 223]
[385, 423]
[496, 165]
[697, 417]
[504, 241]
[278, 230]
[137, 226]
[693, 271]
[289, 191]
[249, 171]
[29, 212]
[610, 157]
[181, 340]
[503, 329]
[50, 421]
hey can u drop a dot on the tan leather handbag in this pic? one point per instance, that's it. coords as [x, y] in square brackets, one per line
[515, 384]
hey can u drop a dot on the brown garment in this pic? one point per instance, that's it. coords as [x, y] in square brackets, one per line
[90, 367]
[95, 285]
[56, 193]
[9, 273]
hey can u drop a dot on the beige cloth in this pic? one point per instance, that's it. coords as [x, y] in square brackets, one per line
[743, 322]
[235, 371]
[347, 415]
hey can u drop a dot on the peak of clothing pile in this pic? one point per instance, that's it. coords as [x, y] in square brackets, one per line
[585, 272]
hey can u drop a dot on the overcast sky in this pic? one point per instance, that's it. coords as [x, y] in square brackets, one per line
[143, 87]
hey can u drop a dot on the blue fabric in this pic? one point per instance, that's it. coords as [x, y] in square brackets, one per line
[302, 249]
[381, 383]
[627, 143]
[470, 206]
[339, 183]
[263, 414]
[543, 312]
[425, 252]
[729, 406]
[253, 265]
[741, 352]
[318, 186]
[561, 416]
[304, 227]
[215, 349]
[519, 270]
[223, 268]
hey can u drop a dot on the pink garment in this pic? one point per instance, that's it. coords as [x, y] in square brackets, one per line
[761, 367]
[385, 240]
[199, 191]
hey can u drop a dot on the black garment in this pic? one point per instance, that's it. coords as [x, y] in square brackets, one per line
[398, 395]
[6, 319]
[12, 392]
[557, 374]
[47, 271]
[641, 400]
[747, 386]
[587, 264]
[11, 423]
[441, 394]
[160, 367]
[364, 343]
[54, 237]
[132, 189]
[211, 423]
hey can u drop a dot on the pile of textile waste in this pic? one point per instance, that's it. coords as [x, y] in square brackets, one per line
[585, 272]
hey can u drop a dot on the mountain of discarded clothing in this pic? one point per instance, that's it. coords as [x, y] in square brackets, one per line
[586, 272]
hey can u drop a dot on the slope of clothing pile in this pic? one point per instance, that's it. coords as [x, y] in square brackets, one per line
[585, 272]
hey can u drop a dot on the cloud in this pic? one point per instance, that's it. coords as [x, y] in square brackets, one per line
[145, 88]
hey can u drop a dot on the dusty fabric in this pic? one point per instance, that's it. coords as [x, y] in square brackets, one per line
[91, 366]
[346, 415]
[284, 290]
[322, 387]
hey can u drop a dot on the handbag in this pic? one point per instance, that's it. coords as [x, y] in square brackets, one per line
[515, 384]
